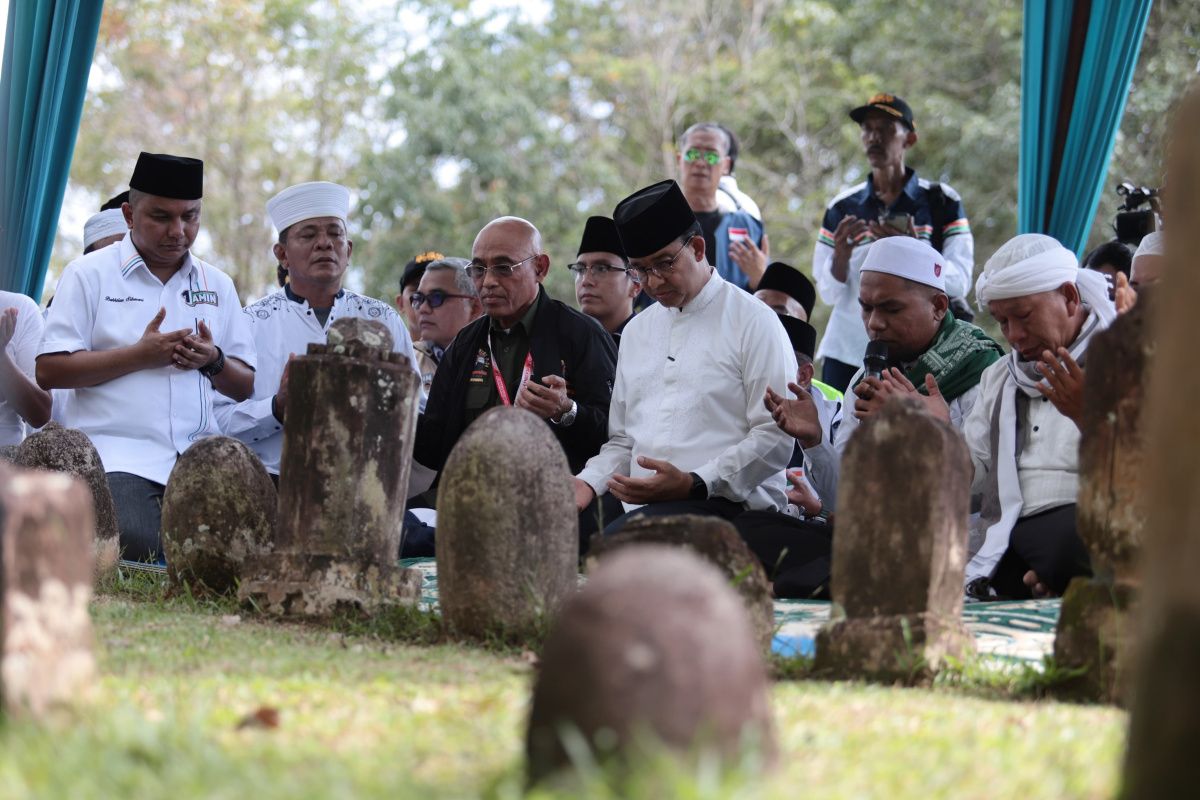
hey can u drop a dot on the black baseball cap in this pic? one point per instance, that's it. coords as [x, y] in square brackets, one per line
[888, 104]
[415, 268]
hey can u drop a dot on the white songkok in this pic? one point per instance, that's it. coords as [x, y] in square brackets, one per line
[1152, 245]
[102, 225]
[908, 258]
[1032, 263]
[308, 201]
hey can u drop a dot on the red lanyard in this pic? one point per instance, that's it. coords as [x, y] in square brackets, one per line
[499, 379]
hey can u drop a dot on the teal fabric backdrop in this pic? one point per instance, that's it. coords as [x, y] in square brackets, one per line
[1073, 93]
[47, 57]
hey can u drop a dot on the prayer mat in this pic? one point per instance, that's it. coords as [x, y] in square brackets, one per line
[1005, 632]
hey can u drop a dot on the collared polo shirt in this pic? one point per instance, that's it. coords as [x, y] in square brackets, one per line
[510, 347]
[141, 421]
[845, 336]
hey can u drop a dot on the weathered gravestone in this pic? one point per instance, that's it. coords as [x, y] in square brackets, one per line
[46, 563]
[1095, 626]
[899, 553]
[68, 450]
[349, 424]
[508, 534]
[1164, 725]
[219, 508]
[716, 541]
[656, 650]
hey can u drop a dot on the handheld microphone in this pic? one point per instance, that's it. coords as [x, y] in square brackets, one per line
[875, 359]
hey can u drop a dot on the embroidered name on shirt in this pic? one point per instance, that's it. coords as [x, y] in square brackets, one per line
[124, 299]
[197, 297]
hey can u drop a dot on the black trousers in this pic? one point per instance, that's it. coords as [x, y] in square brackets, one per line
[837, 373]
[1048, 544]
[796, 554]
[138, 503]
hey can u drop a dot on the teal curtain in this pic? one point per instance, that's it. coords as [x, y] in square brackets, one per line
[1079, 57]
[47, 57]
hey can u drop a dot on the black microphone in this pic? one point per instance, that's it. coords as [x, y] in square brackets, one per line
[875, 359]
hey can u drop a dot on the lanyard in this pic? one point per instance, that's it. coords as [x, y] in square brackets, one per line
[499, 379]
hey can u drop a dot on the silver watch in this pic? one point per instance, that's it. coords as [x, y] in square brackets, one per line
[568, 419]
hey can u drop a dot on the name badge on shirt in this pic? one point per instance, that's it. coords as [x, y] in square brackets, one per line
[198, 297]
[480, 372]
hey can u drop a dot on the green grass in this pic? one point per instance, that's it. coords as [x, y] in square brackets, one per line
[364, 715]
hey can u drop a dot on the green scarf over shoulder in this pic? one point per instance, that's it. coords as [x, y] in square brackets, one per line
[958, 356]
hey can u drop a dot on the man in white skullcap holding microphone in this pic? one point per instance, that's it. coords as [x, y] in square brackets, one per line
[314, 246]
[1023, 433]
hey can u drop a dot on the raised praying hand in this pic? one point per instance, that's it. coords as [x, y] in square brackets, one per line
[1064, 384]
[933, 401]
[797, 418]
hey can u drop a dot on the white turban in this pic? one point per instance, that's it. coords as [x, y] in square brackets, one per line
[908, 258]
[102, 225]
[1152, 245]
[1031, 263]
[307, 201]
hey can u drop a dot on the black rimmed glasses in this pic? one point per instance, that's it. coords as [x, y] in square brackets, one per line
[501, 270]
[661, 268]
[434, 298]
[579, 269]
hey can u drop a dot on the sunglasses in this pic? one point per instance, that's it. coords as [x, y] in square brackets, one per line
[710, 157]
[434, 298]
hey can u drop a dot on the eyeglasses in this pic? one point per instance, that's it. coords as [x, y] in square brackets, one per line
[579, 269]
[435, 298]
[662, 268]
[501, 270]
[712, 158]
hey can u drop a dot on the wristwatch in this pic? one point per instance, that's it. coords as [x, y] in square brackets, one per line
[568, 419]
[213, 368]
[699, 489]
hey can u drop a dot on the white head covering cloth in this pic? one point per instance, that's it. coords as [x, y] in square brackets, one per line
[908, 258]
[1152, 245]
[102, 225]
[306, 201]
[1031, 263]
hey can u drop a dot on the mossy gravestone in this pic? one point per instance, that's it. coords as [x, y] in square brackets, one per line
[68, 450]
[899, 554]
[716, 541]
[1095, 625]
[655, 651]
[218, 509]
[508, 534]
[46, 563]
[349, 423]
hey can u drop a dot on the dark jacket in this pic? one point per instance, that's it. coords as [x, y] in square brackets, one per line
[561, 337]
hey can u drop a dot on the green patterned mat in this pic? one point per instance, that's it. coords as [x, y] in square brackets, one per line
[1022, 630]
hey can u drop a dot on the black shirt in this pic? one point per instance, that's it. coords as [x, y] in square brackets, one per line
[709, 222]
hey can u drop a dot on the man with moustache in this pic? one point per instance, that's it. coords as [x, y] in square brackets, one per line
[527, 350]
[891, 202]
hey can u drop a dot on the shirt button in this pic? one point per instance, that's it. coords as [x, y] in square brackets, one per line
[1035, 428]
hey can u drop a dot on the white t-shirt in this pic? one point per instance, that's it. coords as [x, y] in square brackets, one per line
[141, 421]
[23, 351]
[281, 328]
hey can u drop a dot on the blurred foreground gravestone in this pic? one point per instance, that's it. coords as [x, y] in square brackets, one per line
[656, 651]
[1095, 625]
[1164, 725]
[218, 509]
[508, 533]
[46, 563]
[899, 554]
[349, 425]
[68, 450]
[715, 540]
